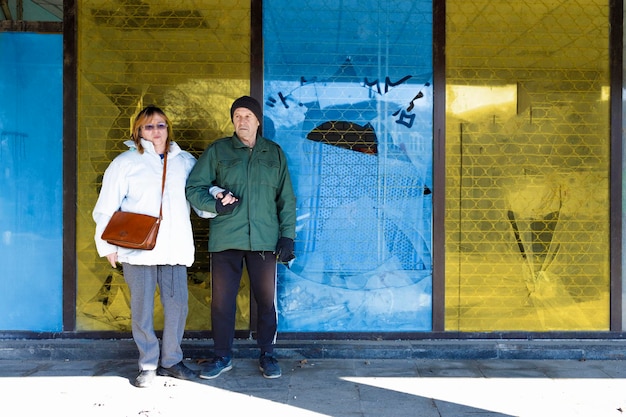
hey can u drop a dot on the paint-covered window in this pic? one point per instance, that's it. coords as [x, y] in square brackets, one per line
[31, 181]
[192, 59]
[348, 95]
[527, 165]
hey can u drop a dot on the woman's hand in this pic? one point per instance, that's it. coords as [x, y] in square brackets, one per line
[112, 258]
[227, 198]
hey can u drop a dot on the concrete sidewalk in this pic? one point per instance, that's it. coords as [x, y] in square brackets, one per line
[93, 378]
[321, 387]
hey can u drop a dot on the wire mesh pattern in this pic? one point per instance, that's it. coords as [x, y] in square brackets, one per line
[350, 101]
[527, 146]
[190, 58]
[347, 94]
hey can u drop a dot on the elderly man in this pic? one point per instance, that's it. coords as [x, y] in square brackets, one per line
[245, 181]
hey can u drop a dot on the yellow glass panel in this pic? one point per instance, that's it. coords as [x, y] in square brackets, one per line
[192, 58]
[527, 165]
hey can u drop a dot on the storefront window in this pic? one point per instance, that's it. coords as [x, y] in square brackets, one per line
[190, 58]
[31, 181]
[527, 168]
[348, 95]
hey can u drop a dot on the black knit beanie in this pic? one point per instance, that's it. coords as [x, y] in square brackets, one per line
[250, 104]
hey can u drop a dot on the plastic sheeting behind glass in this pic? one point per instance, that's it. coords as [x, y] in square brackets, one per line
[527, 165]
[31, 181]
[348, 96]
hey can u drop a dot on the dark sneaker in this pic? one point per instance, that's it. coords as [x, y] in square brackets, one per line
[269, 366]
[216, 367]
[180, 371]
[145, 378]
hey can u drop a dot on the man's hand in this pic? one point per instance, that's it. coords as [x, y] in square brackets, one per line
[226, 202]
[284, 250]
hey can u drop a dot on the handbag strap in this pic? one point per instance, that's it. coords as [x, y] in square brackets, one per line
[163, 184]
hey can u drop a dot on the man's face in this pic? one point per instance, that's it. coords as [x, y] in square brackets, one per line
[246, 124]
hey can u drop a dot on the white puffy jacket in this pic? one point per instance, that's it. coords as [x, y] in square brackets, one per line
[132, 182]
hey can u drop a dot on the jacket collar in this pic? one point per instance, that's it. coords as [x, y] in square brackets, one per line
[260, 144]
[149, 147]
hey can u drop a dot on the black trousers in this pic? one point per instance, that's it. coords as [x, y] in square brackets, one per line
[226, 271]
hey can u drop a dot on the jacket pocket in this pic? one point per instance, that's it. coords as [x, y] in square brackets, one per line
[230, 172]
[268, 172]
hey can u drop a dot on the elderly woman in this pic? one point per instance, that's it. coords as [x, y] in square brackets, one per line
[132, 182]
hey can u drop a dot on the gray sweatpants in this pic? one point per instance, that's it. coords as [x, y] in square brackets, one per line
[172, 281]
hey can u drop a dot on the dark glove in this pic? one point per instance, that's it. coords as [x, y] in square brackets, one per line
[225, 208]
[284, 250]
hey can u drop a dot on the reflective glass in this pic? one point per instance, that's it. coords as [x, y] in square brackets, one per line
[31, 182]
[527, 165]
[348, 95]
[190, 58]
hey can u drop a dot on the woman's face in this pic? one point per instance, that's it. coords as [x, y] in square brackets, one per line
[155, 130]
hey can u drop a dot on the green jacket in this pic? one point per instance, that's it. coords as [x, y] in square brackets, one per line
[259, 177]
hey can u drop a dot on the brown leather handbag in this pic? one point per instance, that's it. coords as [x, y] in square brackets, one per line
[135, 230]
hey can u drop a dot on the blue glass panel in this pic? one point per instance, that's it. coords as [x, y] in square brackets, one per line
[31, 196]
[364, 209]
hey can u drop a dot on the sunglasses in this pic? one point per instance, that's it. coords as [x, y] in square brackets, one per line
[151, 127]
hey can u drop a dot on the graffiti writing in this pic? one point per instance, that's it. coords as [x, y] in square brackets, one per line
[388, 83]
[374, 85]
[405, 119]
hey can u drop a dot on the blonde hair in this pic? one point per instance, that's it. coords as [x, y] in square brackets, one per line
[145, 115]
